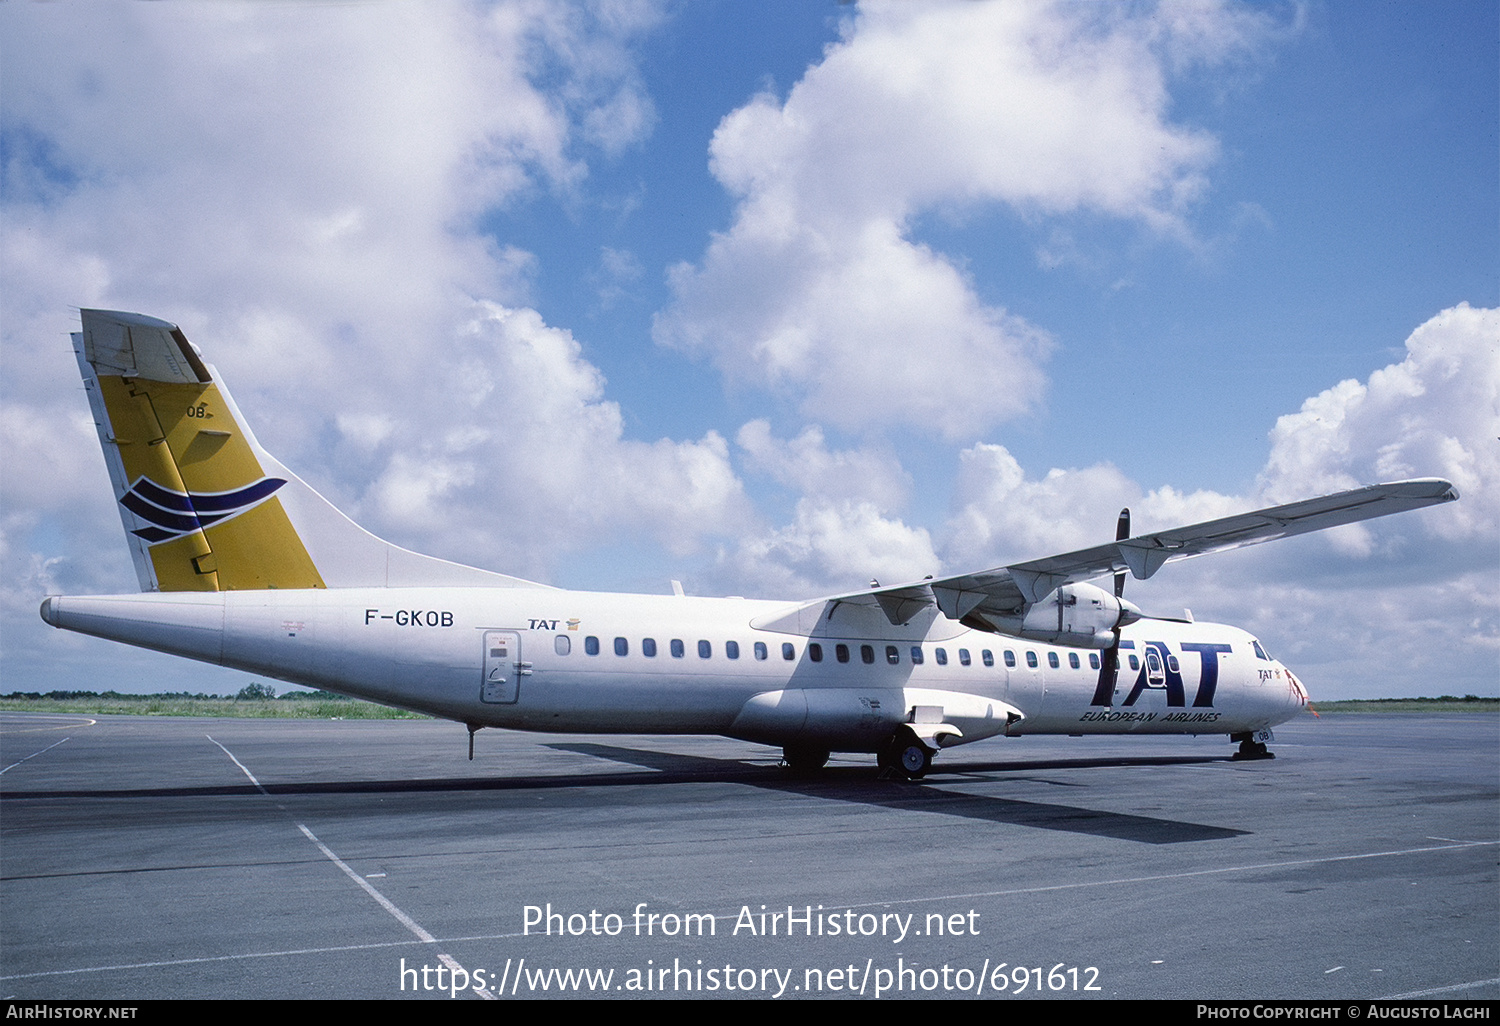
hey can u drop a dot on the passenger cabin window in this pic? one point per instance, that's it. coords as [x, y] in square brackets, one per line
[788, 651]
[1135, 663]
[678, 648]
[963, 656]
[893, 655]
[732, 649]
[842, 652]
[867, 654]
[988, 657]
[760, 650]
[622, 647]
[1073, 660]
[1093, 660]
[1052, 660]
[705, 649]
[941, 654]
[1031, 659]
[648, 647]
[916, 655]
[562, 644]
[815, 652]
[1010, 658]
[591, 645]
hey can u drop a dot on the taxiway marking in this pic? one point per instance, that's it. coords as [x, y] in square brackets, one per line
[369, 888]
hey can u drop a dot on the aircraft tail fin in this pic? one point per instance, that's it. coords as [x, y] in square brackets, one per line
[205, 508]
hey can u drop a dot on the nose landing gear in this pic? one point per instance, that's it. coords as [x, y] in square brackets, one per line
[1253, 746]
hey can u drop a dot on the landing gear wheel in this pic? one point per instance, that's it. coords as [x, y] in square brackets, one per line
[904, 755]
[915, 759]
[1253, 746]
[801, 759]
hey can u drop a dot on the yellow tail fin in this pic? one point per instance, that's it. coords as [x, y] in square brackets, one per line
[197, 504]
[205, 508]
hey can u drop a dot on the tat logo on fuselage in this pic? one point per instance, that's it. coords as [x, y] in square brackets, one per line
[1160, 671]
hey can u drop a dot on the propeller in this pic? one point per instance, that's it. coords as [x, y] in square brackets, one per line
[1122, 531]
[1109, 663]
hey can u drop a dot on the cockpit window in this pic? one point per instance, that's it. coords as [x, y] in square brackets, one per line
[1260, 653]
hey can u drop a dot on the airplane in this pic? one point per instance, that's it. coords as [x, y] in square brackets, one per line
[243, 564]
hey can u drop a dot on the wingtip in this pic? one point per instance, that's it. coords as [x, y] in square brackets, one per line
[1434, 488]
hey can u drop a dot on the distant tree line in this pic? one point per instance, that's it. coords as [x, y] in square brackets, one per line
[248, 693]
[1440, 698]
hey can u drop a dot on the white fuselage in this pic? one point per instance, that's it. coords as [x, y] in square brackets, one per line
[544, 659]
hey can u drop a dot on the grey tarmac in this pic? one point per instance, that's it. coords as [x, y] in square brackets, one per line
[192, 858]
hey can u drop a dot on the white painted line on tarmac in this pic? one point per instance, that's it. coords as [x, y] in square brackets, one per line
[9, 722]
[1442, 990]
[129, 966]
[33, 755]
[369, 888]
[243, 768]
[1252, 867]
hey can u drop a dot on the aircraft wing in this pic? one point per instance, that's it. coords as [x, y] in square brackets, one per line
[1009, 591]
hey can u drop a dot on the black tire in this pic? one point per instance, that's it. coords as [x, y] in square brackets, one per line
[801, 759]
[904, 755]
[1253, 750]
[914, 759]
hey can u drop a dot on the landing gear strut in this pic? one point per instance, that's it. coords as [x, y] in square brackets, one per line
[904, 755]
[1253, 746]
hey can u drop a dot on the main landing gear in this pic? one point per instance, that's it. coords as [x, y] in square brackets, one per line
[905, 755]
[1253, 746]
[804, 760]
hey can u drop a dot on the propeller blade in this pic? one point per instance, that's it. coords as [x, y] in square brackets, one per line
[1109, 661]
[1122, 531]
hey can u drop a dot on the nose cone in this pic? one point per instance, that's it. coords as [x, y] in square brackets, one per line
[49, 609]
[1299, 693]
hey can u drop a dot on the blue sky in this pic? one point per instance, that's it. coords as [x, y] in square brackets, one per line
[776, 298]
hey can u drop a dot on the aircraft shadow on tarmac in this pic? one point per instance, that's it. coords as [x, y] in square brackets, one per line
[856, 784]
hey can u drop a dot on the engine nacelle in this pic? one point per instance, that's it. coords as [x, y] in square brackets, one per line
[1079, 615]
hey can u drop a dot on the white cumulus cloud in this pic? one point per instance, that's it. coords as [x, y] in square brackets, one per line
[301, 188]
[1377, 602]
[817, 286]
